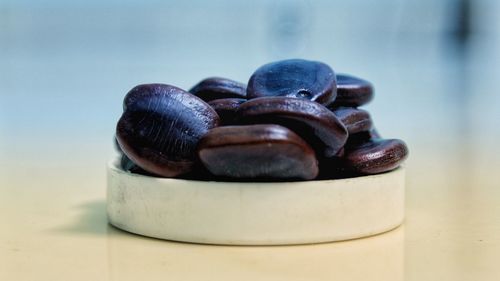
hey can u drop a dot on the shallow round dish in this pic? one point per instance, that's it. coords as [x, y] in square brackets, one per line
[257, 213]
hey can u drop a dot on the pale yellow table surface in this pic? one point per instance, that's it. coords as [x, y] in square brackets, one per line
[55, 228]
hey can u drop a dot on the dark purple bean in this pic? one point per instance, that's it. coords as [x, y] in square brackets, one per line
[296, 78]
[226, 108]
[352, 91]
[310, 120]
[355, 120]
[257, 151]
[218, 88]
[375, 156]
[161, 127]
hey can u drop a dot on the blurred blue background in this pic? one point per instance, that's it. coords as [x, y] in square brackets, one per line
[66, 65]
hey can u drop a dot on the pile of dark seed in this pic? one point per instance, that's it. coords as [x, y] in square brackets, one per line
[295, 120]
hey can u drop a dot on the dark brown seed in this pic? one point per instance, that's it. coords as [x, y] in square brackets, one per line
[161, 127]
[375, 156]
[296, 78]
[352, 91]
[226, 108]
[125, 163]
[257, 151]
[355, 120]
[312, 121]
[218, 88]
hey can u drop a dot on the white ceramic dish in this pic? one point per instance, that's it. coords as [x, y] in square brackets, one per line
[235, 213]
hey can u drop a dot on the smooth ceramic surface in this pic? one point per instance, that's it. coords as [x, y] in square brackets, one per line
[255, 213]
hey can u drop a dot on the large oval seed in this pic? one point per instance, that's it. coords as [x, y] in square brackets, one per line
[218, 88]
[296, 78]
[355, 120]
[310, 120]
[352, 91]
[257, 151]
[226, 109]
[375, 155]
[161, 127]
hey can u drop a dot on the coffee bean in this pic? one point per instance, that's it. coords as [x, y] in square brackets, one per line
[218, 88]
[355, 120]
[314, 122]
[296, 78]
[161, 127]
[226, 109]
[352, 91]
[375, 156]
[257, 151]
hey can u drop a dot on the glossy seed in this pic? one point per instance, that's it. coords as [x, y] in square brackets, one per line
[161, 127]
[352, 91]
[218, 88]
[257, 151]
[375, 156]
[226, 109]
[295, 78]
[355, 120]
[310, 120]
[125, 163]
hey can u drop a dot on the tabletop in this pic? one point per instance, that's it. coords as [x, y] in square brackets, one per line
[63, 75]
[55, 228]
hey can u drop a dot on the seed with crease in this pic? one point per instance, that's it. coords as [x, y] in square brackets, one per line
[310, 120]
[355, 120]
[226, 108]
[161, 126]
[218, 88]
[257, 152]
[352, 91]
[375, 156]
